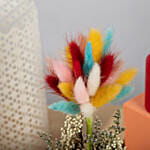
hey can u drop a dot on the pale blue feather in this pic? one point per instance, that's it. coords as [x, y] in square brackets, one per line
[88, 59]
[126, 90]
[107, 41]
[65, 107]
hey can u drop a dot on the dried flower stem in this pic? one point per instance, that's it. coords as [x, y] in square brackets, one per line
[89, 131]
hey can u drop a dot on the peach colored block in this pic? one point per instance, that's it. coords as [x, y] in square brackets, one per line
[137, 124]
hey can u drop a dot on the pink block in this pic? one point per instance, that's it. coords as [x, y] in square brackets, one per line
[137, 124]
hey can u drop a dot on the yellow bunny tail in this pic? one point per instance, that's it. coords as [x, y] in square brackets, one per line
[97, 44]
[66, 89]
[105, 94]
[68, 56]
[126, 76]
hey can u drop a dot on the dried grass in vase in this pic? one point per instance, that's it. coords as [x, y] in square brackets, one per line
[89, 77]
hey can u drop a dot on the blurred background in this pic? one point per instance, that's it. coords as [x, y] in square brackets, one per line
[130, 20]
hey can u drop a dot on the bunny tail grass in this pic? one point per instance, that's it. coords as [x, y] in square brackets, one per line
[80, 92]
[95, 37]
[108, 41]
[87, 109]
[94, 79]
[88, 60]
[62, 71]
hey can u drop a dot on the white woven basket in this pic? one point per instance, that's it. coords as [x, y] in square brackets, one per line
[22, 102]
